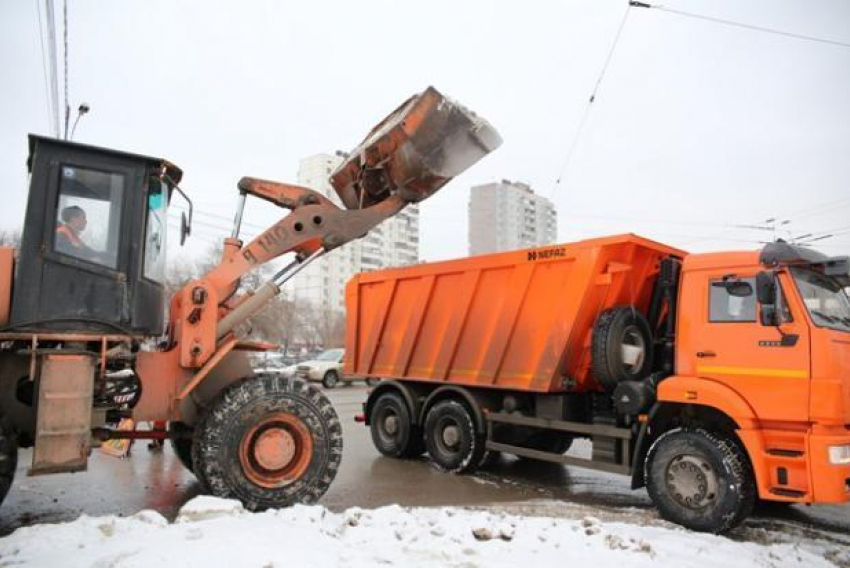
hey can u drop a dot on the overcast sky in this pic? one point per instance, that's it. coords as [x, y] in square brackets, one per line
[696, 125]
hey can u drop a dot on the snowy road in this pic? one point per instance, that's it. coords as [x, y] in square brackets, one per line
[157, 481]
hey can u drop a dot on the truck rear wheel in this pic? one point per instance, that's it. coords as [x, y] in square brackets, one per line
[393, 431]
[700, 480]
[453, 442]
[621, 347]
[269, 441]
[8, 456]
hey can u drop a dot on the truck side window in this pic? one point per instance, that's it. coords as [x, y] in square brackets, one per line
[88, 215]
[726, 307]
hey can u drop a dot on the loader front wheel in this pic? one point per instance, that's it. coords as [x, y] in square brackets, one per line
[8, 456]
[181, 444]
[269, 442]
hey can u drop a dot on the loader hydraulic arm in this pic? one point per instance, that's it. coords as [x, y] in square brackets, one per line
[314, 226]
[406, 158]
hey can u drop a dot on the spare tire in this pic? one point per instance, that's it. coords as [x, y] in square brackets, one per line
[622, 347]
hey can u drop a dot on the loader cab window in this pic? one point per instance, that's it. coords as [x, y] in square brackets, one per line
[732, 300]
[156, 231]
[88, 215]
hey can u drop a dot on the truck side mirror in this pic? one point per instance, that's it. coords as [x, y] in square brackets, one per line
[766, 294]
[185, 229]
[766, 288]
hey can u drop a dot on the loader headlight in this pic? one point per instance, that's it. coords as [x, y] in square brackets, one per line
[839, 455]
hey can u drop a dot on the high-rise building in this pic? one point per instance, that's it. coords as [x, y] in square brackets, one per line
[507, 215]
[395, 242]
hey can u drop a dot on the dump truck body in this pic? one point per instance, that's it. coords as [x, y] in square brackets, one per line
[712, 379]
[518, 320]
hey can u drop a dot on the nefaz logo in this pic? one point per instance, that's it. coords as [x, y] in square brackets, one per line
[547, 253]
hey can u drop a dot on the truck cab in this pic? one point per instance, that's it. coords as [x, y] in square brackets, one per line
[764, 337]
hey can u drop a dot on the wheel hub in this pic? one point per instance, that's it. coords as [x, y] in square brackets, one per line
[391, 424]
[633, 349]
[276, 451]
[451, 436]
[274, 448]
[691, 481]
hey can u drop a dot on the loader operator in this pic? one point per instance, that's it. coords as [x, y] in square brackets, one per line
[68, 238]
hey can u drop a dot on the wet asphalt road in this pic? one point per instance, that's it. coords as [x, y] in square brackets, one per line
[156, 480]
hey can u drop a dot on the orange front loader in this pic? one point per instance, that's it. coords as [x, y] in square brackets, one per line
[86, 337]
[712, 379]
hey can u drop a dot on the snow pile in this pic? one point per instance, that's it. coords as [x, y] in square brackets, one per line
[213, 532]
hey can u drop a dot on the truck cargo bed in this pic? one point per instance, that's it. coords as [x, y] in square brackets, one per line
[518, 320]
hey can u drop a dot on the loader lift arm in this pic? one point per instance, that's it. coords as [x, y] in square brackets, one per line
[406, 158]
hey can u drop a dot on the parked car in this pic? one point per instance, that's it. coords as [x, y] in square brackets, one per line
[273, 362]
[326, 368]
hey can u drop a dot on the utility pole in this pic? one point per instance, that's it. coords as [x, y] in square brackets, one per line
[54, 72]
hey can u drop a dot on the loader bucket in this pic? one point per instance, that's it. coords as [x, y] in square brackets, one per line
[414, 151]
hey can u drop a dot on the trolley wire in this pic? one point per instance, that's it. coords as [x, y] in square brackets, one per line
[743, 25]
[580, 130]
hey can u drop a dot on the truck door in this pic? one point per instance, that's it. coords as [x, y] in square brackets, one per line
[722, 339]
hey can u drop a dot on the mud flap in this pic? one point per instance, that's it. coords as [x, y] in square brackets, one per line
[63, 424]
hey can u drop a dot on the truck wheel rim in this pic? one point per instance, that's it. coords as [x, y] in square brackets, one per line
[391, 424]
[691, 481]
[451, 436]
[276, 451]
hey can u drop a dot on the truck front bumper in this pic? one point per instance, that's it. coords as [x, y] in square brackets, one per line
[830, 471]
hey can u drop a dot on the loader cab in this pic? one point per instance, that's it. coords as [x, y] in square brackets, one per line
[93, 248]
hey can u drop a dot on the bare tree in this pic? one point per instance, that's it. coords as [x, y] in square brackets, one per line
[323, 328]
[279, 322]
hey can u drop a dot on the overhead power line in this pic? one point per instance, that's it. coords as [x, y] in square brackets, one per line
[44, 62]
[580, 130]
[739, 24]
[65, 33]
[54, 72]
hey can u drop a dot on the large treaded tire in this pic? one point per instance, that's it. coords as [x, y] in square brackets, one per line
[467, 453]
[233, 418]
[8, 456]
[735, 486]
[612, 329]
[392, 429]
[182, 447]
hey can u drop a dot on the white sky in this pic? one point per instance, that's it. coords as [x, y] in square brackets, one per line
[696, 125]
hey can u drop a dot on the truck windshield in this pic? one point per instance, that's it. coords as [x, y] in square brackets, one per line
[825, 299]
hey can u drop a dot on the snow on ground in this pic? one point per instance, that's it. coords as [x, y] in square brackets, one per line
[214, 532]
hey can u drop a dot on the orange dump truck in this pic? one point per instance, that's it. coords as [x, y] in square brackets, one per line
[712, 379]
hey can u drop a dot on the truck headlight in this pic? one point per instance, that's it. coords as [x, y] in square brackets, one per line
[839, 455]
